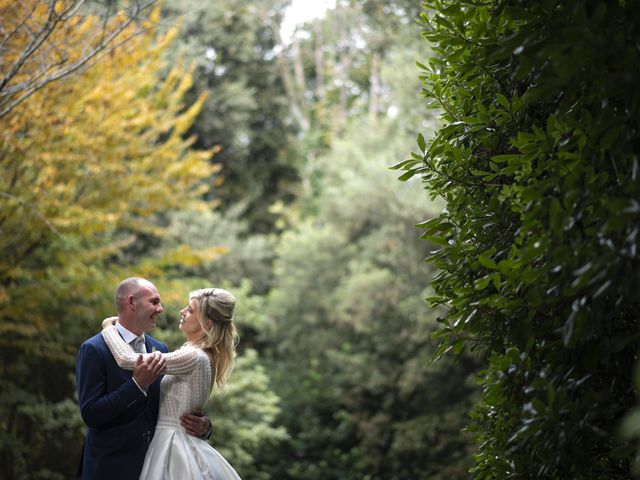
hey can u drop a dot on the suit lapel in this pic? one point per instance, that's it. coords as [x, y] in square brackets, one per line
[147, 343]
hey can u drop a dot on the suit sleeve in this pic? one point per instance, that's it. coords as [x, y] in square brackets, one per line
[98, 407]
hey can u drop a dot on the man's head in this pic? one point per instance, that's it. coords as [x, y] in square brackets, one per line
[138, 304]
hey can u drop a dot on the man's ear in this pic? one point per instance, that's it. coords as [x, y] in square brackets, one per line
[131, 301]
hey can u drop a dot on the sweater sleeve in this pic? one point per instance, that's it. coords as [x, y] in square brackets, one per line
[180, 362]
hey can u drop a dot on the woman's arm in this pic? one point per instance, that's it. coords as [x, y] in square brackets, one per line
[180, 362]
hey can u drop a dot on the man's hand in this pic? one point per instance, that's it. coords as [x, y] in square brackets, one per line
[196, 423]
[147, 370]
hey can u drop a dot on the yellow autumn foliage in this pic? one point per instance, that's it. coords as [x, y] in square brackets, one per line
[88, 156]
[46, 40]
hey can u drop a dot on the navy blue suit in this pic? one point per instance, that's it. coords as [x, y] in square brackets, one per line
[121, 419]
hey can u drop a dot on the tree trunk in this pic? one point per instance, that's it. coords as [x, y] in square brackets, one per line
[374, 84]
[319, 61]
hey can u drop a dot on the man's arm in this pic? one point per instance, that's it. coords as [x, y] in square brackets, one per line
[98, 407]
[197, 424]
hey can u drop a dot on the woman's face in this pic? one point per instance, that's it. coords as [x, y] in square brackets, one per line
[189, 323]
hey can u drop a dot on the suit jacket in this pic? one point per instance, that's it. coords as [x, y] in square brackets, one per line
[121, 419]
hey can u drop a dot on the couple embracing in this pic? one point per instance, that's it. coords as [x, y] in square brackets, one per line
[142, 404]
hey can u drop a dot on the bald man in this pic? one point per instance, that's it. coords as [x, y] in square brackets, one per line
[120, 407]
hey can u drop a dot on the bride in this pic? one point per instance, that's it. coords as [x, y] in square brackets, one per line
[191, 372]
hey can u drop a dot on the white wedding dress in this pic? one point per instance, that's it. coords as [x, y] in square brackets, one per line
[173, 454]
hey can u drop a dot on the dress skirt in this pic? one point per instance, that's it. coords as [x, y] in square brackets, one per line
[175, 455]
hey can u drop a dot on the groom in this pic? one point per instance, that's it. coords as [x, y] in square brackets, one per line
[121, 407]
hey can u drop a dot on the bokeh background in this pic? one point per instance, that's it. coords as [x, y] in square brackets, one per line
[244, 145]
[308, 156]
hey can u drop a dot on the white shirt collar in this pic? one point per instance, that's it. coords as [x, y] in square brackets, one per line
[127, 335]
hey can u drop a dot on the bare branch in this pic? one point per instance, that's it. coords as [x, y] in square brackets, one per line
[85, 61]
[38, 39]
[71, 11]
[53, 64]
[374, 82]
[298, 69]
[319, 61]
[17, 28]
[283, 69]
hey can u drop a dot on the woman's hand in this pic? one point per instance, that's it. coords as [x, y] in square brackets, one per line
[107, 322]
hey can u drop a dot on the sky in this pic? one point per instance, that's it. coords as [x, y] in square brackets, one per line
[301, 11]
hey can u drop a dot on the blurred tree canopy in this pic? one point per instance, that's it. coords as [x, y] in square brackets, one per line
[537, 161]
[353, 333]
[201, 148]
[234, 48]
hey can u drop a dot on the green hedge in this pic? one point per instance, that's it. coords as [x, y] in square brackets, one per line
[537, 162]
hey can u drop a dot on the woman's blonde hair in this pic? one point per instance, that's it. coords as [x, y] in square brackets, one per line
[220, 337]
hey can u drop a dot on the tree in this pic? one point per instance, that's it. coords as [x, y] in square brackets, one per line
[346, 65]
[35, 41]
[85, 168]
[245, 417]
[243, 255]
[245, 115]
[537, 164]
[62, 157]
[353, 335]
[331, 67]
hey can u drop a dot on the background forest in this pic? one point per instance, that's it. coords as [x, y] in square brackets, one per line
[210, 149]
[200, 143]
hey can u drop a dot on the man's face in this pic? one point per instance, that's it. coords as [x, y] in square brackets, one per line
[147, 306]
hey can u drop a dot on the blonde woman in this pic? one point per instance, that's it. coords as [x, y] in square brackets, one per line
[204, 361]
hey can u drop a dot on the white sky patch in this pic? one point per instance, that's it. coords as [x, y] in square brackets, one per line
[301, 11]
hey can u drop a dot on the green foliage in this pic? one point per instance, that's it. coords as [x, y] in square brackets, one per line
[331, 378]
[233, 47]
[244, 417]
[240, 253]
[537, 163]
[353, 334]
[85, 166]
